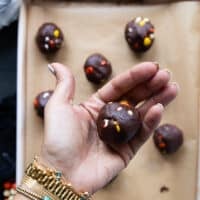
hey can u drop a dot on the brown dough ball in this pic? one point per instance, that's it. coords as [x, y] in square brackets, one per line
[118, 122]
[40, 102]
[97, 68]
[168, 138]
[49, 38]
[139, 34]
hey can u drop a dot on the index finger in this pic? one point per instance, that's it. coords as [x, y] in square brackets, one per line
[126, 81]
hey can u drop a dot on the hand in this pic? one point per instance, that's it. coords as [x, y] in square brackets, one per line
[71, 142]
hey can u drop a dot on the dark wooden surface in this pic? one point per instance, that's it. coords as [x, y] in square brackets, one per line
[8, 74]
[8, 45]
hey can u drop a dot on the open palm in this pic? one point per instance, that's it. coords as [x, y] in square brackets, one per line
[71, 142]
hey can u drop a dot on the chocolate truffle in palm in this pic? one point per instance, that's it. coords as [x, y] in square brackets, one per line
[97, 68]
[49, 38]
[40, 102]
[118, 123]
[139, 34]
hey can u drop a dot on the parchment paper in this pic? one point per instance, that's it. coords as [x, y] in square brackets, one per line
[90, 28]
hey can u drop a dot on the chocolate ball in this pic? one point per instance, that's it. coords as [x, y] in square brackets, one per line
[49, 38]
[168, 138]
[40, 102]
[117, 123]
[139, 34]
[97, 68]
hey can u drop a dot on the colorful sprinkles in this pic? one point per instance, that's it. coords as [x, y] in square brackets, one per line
[139, 34]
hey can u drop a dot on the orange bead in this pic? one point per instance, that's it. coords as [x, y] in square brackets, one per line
[124, 102]
[151, 30]
[89, 70]
[52, 43]
[162, 145]
[35, 103]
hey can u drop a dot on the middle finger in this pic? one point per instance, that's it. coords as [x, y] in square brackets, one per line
[147, 89]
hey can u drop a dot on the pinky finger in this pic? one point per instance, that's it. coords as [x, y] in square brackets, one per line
[150, 122]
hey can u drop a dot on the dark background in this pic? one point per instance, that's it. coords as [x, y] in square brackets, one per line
[8, 74]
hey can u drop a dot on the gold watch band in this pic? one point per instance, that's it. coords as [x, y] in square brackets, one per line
[32, 185]
[49, 183]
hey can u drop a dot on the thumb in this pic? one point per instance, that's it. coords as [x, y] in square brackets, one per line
[65, 85]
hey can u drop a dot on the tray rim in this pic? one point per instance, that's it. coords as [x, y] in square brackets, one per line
[21, 101]
[20, 148]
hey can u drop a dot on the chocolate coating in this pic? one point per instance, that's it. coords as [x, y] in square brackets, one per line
[40, 102]
[97, 68]
[168, 138]
[139, 34]
[118, 122]
[49, 38]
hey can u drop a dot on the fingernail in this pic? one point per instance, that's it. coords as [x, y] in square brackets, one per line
[176, 85]
[51, 69]
[157, 65]
[169, 72]
[71, 101]
[160, 106]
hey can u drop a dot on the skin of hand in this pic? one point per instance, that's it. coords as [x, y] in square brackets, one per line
[71, 142]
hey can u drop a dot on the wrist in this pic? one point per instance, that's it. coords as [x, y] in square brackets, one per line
[70, 176]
